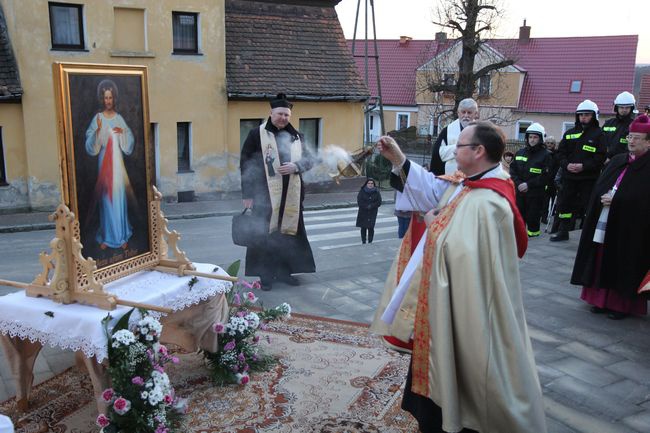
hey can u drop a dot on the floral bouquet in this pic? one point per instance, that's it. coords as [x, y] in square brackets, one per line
[239, 352]
[141, 399]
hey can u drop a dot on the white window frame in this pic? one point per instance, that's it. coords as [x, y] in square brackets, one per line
[518, 128]
[402, 113]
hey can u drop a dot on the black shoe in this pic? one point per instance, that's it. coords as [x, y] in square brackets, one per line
[560, 236]
[288, 279]
[598, 310]
[265, 286]
[615, 315]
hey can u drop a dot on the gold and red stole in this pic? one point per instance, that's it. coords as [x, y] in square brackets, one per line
[291, 214]
[422, 327]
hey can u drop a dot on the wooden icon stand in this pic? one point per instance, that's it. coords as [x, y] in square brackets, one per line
[73, 275]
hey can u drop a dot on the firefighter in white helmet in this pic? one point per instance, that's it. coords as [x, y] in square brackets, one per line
[581, 154]
[530, 173]
[615, 129]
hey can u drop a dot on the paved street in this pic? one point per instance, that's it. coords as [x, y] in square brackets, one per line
[595, 372]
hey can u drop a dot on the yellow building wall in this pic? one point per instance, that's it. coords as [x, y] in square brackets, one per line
[13, 195]
[182, 88]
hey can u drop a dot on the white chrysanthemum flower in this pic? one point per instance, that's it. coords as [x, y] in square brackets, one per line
[123, 337]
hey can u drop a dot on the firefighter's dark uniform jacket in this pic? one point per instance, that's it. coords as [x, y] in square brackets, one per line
[615, 132]
[532, 166]
[582, 145]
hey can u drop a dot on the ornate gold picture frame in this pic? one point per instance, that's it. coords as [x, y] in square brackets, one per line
[107, 164]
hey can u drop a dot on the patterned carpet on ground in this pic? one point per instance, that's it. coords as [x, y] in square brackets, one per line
[332, 377]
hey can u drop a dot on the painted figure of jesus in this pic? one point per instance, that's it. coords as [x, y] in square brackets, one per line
[109, 137]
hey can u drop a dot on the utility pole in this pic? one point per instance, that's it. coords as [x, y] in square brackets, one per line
[375, 100]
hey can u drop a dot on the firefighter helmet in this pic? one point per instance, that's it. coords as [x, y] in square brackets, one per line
[538, 129]
[625, 99]
[588, 106]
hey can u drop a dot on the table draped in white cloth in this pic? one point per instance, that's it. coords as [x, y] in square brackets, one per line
[79, 328]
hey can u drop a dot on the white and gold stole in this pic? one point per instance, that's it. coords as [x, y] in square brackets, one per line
[291, 214]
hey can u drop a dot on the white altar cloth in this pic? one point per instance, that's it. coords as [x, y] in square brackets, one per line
[79, 327]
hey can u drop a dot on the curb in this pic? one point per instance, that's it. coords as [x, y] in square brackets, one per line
[50, 226]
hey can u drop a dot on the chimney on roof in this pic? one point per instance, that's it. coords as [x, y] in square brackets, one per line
[404, 40]
[524, 33]
[441, 37]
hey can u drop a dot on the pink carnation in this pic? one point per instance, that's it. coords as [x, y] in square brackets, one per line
[108, 395]
[168, 399]
[121, 406]
[137, 380]
[102, 420]
[219, 328]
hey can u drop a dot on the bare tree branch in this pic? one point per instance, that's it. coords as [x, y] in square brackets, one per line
[492, 67]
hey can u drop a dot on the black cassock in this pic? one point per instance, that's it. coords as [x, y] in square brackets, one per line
[626, 250]
[278, 254]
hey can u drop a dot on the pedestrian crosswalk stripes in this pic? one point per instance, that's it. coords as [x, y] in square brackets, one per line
[330, 229]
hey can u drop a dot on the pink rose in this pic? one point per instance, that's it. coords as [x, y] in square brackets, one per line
[219, 328]
[121, 406]
[256, 285]
[137, 380]
[108, 394]
[243, 379]
[102, 420]
[168, 399]
[251, 297]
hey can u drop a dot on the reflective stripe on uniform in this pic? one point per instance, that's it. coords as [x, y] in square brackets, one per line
[537, 233]
[589, 148]
[572, 136]
[521, 158]
[609, 128]
[623, 140]
[535, 170]
[565, 215]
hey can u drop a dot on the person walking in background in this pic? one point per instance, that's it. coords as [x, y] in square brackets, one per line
[615, 130]
[403, 221]
[581, 154]
[273, 158]
[614, 252]
[530, 173]
[369, 200]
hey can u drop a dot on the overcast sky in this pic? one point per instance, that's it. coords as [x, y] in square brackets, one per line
[548, 18]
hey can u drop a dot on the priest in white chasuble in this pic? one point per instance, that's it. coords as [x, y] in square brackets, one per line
[457, 294]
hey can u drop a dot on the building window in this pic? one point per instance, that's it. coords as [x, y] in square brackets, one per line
[372, 122]
[576, 86]
[3, 172]
[183, 138]
[310, 129]
[403, 120]
[522, 126]
[66, 26]
[186, 32]
[566, 126]
[245, 126]
[484, 85]
[129, 30]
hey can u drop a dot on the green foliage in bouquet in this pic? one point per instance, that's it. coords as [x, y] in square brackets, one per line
[141, 399]
[239, 352]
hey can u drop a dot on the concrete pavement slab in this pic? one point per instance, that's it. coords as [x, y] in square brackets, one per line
[589, 373]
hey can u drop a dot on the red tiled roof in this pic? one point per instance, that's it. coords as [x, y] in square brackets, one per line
[644, 93]
[604, 64]
[292, 46]
[397, 65]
